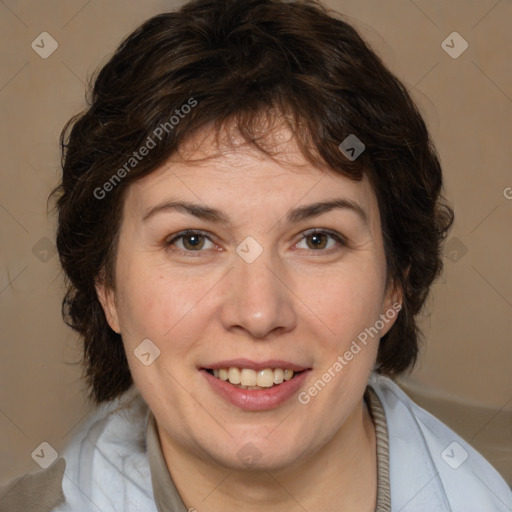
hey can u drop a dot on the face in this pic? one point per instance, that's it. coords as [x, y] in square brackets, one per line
[247, 274]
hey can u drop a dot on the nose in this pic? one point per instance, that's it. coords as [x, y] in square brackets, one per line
[258, 300]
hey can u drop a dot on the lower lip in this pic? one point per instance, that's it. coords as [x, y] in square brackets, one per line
[256, 399]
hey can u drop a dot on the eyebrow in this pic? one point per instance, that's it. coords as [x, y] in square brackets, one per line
[294, 216]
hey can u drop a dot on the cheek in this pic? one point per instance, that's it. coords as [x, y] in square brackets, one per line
[162, 308]
[346, 301]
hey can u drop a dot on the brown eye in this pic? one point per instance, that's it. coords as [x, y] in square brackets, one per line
[321, 240]
[192, 241]
[317, 241]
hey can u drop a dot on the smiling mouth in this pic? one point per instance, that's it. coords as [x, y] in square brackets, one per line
[246, 378]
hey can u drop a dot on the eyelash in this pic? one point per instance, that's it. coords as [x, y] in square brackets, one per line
[335, 236]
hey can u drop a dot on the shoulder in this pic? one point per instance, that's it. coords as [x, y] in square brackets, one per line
[35, 492]
[431, 467]
[107, 461]
[104, 467]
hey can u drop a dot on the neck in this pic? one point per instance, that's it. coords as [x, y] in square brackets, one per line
[340, 477]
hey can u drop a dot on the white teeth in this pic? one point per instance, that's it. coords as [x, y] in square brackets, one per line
[234, 376]
[288, 374]
[246, 378]
[265, 378]
[278, 376]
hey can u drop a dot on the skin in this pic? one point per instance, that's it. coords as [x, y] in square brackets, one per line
[295, 302]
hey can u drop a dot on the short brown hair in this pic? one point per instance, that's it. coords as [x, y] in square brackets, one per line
[237, 60]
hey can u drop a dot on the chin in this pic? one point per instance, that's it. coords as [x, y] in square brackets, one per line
[256, 455]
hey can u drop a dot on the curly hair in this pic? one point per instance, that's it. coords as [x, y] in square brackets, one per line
[235, 61]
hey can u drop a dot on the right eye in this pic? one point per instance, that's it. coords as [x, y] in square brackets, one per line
[190, 241]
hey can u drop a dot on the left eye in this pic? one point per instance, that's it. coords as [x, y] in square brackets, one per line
[192, 241]
[319, 240]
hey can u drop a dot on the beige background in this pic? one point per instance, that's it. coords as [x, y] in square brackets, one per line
[464, 375]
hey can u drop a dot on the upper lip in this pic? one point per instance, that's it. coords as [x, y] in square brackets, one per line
[255, 365]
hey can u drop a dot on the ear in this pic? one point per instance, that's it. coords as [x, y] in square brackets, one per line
[391, 305]
[107, 298]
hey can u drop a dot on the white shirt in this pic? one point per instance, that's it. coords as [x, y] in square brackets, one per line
[431, 468]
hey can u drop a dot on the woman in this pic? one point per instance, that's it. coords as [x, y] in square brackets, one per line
[250, 219]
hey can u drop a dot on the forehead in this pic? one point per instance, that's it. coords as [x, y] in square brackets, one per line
[223, 170]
